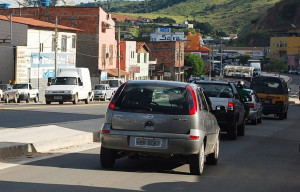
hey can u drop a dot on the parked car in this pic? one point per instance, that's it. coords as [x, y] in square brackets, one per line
[103, 92]
[179, 124]
[293, 71]
[26, 92]
[255, 106]
[8, 94]
[228, 107]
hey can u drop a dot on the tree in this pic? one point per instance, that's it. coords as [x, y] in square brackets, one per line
[278, 65]
[195, 64]
[243, 59]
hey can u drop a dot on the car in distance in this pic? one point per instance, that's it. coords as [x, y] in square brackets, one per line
[255, 106]
[178, 124]
[26, 92]
[8, 94]
[227, 105]
[103, 92]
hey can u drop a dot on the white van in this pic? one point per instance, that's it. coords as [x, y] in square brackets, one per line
[257, 68]
[70, 85]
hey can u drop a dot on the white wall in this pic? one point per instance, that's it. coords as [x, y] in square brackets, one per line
[130, 59]
[144, 67]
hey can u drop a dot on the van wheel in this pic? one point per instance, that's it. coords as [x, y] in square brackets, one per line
[107, 157]
[212, 159]
[232, 131]
[18, 101]
[197, 162]
[48, 102]
[75, 99]
[36, 99]
[87, 101]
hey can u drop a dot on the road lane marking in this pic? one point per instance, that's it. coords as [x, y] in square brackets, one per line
[47, 106]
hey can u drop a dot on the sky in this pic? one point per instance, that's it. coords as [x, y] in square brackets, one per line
[14, 3]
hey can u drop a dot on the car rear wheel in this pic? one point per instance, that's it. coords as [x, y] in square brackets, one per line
[232, 131]
[36, 99]
[107, 157]
[254, 121]
[197, 162]
[281, 116]
[212, 159]
[285, 115]
[48, 102]
[61, 102]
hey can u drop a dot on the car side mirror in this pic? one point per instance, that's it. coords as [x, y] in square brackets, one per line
[80, 84]
[289, 90]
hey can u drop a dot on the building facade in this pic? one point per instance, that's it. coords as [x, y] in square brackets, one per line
[96, 43]
[30, 54]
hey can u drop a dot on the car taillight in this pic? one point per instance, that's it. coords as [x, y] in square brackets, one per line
[194, 134]
[113, 101]
[230, 107]
[106, 128]
[192, 100]
[251, 105]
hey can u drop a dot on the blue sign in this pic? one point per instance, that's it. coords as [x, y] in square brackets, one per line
[165, 30]
[48, 60]
[103, 75]
[48, 73]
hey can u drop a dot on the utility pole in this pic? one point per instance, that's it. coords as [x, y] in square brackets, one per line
[56, 39]
[119, 62]
[179, 69]
[221, 61]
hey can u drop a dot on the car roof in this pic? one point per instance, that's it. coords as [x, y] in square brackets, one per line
[159, 82]
[210, 82]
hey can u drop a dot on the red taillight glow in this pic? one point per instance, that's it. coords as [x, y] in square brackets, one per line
[194, 137]
[105, 131]
[111, 106]
[115, 97]
[251, 105]
[230, 106]
[193, 104]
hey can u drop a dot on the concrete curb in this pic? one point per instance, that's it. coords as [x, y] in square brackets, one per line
[48, 146]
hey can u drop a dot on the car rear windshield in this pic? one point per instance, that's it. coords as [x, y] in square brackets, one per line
[154, 99]
[267, 85]
[217, 90]
[20, 86]
[100, 87]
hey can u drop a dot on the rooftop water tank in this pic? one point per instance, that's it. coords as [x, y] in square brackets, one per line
[4, 6]
[45, 3]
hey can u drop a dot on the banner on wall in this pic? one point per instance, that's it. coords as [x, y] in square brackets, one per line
[22, 64]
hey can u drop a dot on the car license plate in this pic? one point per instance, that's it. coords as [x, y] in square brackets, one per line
[58, 97]
[266, 100]
[147, 142]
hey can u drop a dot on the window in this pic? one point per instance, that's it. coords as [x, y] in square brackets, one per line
[41, 47]
[111, 51]
[103, 55]
[145, 57]
[53, 43]
[138, 57]
[64, 43]
[73, 41]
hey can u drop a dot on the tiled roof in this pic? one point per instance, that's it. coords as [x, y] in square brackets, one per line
[142, 44]
[114, 72]
[36, 23]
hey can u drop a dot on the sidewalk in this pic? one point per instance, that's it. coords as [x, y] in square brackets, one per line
[43, 139]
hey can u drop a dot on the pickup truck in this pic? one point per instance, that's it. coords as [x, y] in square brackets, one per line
[7, 94]
[26, 92]
[103, 92]
[227, 106]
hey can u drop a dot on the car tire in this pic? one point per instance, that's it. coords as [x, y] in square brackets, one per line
[16, 99]
[281, 116]
[87, 101]
[36, 99]
[259, 120]
[254, 122]
[48, 102]
[6, 99]
[197, 162]
[241, 128]
[232, 131]
[75, 99]
[28, 97]
[212, 159]
[61, 102]
[104, 99]
[107, 157]
[285, 115]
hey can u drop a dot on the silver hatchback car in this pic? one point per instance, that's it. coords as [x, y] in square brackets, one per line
[161, 119]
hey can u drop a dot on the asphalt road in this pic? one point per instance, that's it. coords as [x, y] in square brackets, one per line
[267, 158]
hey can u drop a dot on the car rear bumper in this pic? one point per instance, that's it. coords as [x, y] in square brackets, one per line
[225, 120]
[272, 108]
[99, 97]
[59, 97]
[172, 144]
